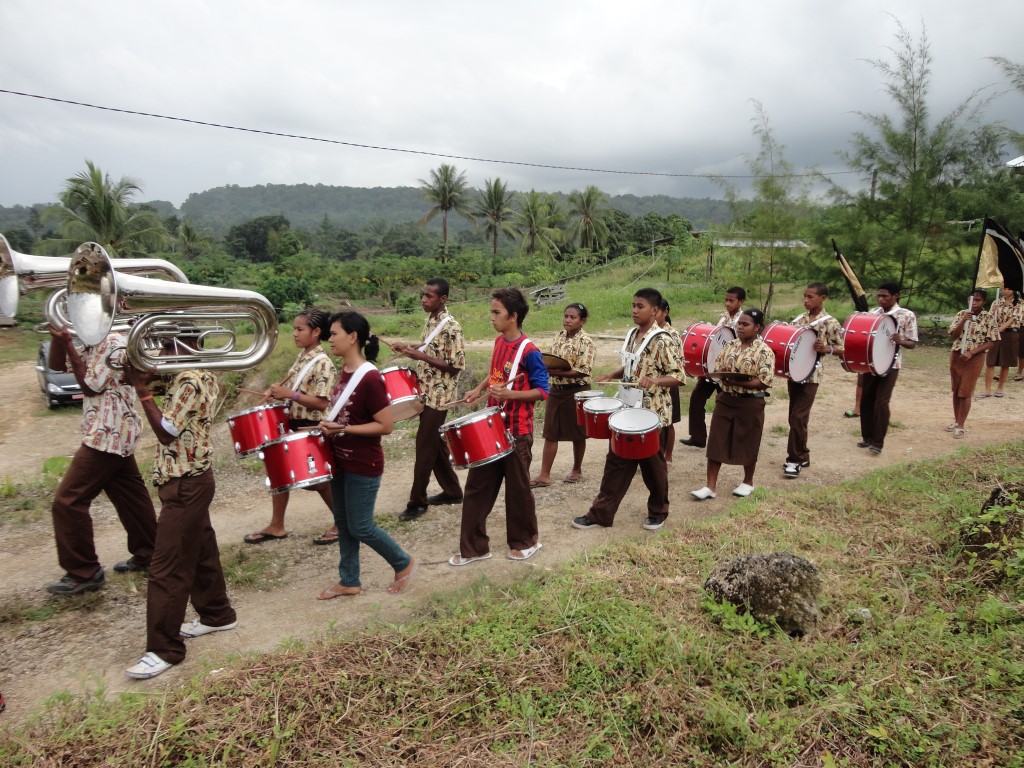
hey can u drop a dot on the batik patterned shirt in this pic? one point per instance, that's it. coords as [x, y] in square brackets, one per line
[906, 326]
[829, 331]
[1011, 313]
[976, 331]
[189, 407]
[440, 387]
[110, 422]
[579, 351]
[319, 381]
[756, 360]
[662, 357]
[729, 321]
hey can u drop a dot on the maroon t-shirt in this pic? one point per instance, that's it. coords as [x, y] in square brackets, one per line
[359, 454]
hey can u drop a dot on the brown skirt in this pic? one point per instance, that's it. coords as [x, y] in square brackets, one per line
[964, 372]
[736, 427]
[560, 416]
[1006, 353]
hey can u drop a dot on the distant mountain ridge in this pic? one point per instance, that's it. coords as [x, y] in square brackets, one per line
[354, 208]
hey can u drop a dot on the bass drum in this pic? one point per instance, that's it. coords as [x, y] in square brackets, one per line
[867, 343]
[701, 344]
[793, 345]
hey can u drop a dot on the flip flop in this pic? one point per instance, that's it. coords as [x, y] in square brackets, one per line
[399, 585]
[459, 560]
[981, 396]
[525, 554]
[1018, 378]
[571, 480]
[850, 414]
[538, 484]
[338, 590]
[261, 536]
[999, 394]
[327, 537]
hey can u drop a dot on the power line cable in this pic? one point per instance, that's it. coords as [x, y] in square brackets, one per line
[423, 152]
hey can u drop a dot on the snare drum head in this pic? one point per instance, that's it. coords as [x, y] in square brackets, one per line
[602, 405]
[589, 394]
[311, 434]
[634, 421]
[470, 418]
[393, 368]
[257, 408]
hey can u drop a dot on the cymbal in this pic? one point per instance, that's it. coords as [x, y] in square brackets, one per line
[555, 363]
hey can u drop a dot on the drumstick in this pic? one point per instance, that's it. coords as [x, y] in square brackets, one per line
[251, 392]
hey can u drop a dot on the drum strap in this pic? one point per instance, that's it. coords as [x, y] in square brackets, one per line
[630, 359]
[433, 333]
[813, 323]
[346, 393]
[301, 375]
[515, 362]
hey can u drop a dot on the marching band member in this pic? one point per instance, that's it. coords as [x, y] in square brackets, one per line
[105, 461]
[874, 405]
[738, 419]
[702, 391]
[974, 331]
[306, 388]
[359, 416]
[517, 379]
[801, 394]
[574, 345]
[1008, 313]
[665, 323]
[651, 362]
[186, 562]
[440, 358]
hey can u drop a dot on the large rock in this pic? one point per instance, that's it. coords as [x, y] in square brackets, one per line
[778, 587]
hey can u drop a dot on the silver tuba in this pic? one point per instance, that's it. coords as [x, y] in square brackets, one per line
[195, 317]
[22, 272]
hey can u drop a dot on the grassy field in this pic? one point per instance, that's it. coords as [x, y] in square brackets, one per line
[619, 659]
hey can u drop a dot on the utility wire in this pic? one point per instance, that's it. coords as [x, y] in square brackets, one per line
[423, 152]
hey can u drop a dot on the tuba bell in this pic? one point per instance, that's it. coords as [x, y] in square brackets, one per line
[200, 320]
[23, 272]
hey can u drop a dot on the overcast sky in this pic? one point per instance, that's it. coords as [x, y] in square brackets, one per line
[659, 87]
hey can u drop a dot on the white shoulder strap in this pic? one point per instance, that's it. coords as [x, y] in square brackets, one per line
[515, 363]
[346, 393]
[301, 375]
[433, 333]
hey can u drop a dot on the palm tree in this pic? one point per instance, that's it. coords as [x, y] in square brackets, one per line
[493, 206]
[95, 208]
[538, 218]
[587, 211]
[447, 190]
[192, 241]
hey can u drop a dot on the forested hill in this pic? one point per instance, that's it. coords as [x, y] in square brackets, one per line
[305, 205]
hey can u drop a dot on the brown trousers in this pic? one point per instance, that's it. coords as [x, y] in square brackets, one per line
[618, 476]
[874, 406]
[91, 472]
[801, 399]
[186, 564]
[699, 397]
[482, 486]
[432, 458]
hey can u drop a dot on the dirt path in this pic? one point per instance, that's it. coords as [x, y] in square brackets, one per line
[89, 647]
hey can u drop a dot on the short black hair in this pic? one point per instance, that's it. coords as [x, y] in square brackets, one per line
[441, 284]
[819, 288]
[738, 292]
[651, 295]
[890, 287]
[578, 306]
[513, 301]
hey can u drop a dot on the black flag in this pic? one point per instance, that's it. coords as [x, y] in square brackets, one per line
[1000, 259]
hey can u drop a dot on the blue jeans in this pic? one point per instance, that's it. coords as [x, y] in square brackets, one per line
[355, 497]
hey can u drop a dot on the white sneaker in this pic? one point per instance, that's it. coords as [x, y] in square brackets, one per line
[791, 469]
[743, 489]
[703, 493]
[196, 628]
[148, 666]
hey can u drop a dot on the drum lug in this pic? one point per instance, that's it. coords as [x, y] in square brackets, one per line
[311, 464]
[466, 456]
[292, 473]
[267, 480]
[238, 447]
[260, 454]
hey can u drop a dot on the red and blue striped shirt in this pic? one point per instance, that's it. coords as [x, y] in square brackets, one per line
[519, 413]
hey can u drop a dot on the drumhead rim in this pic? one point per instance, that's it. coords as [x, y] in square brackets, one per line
[292, 436]
[257, 408]
[470, 418]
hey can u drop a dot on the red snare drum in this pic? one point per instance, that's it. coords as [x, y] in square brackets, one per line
[403, 393]
[477, 439]
[295, 461]
[581, 398]
[596, 412]
[793, 346]
[867, 343]
[257, 426]
[636, 433]
[701, 344]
